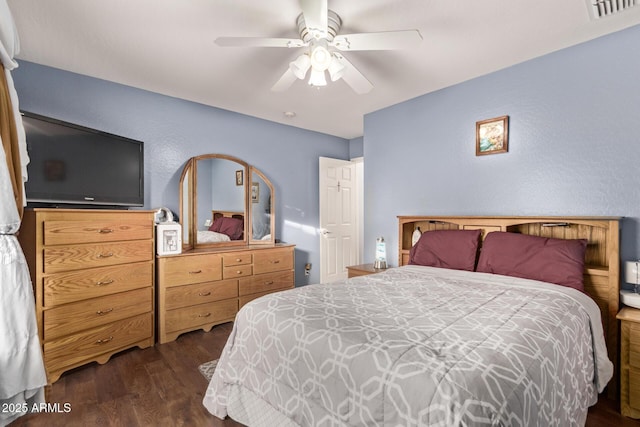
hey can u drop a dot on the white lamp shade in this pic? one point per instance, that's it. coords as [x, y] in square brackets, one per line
[632, 272]
[300, 66]
[317, 78]
[320, 58]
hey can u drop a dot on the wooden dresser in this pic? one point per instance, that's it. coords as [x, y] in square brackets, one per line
[93, 278]
[202, 288]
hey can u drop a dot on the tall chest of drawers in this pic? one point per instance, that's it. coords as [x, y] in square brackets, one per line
[201, 289]
[93, 278]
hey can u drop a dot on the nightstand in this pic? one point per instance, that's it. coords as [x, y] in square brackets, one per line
[629, 362]
[362, 270]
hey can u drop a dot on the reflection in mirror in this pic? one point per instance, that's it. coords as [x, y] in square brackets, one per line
[261, 205]
[220, 193]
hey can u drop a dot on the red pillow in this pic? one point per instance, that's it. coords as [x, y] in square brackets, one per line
[455, 249]
[559, 261]
[232, 227]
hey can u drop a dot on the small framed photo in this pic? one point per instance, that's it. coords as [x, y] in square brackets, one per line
[239, 177]
[255, 192]
[492, 136]
[168, 238]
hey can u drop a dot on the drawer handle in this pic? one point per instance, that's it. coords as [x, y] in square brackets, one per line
[195, 272]
[239, 272]
[105, 230]
[107, 255]
[104, 341]
[204, 315]
[103, 312]
[238, 259]
[270, 282]
[277, 261]
[104, 282]
[204, 294]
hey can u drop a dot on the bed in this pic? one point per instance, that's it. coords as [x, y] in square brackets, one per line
[226, 226]
[436, 344]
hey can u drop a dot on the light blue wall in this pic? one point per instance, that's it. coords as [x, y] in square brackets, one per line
[174, 130]
[356, 147]
[574, 145]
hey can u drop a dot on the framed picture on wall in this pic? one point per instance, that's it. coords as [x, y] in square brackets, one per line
[239, 177]
[492, 136]
[255, 192]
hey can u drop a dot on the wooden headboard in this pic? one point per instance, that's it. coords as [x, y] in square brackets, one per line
[230, 214]
[602, 258]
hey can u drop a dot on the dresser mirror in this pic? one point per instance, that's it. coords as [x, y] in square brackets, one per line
[261, 208]
[221, 197]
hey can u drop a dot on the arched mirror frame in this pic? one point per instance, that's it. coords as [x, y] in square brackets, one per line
[188, 204]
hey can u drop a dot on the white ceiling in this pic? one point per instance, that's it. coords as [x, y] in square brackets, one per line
[167, 46]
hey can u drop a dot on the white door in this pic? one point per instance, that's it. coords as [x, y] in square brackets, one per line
[338, 218]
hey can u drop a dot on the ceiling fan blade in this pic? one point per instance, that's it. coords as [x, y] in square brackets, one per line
[285, 81]
[353, 77]
[386, 40]
[315, 16]
[258, 42]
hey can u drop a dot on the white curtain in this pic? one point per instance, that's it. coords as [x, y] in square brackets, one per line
[22, 374]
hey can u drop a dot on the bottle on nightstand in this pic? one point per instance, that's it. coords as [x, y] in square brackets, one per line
[381, 254]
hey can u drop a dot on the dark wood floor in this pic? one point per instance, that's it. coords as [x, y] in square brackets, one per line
[161, 386]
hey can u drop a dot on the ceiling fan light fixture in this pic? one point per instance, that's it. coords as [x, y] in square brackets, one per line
[336, 69]
[318, 28]
[317, 78]
[320, 58]
[300, 66]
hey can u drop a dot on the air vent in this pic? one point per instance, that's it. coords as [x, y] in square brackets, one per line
[602, 8]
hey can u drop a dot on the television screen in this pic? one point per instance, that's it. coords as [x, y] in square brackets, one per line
[71, 164]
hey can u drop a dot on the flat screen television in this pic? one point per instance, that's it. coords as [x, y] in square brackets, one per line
[74, 165]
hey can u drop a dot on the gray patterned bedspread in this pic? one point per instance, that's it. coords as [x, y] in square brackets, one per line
[416, 346]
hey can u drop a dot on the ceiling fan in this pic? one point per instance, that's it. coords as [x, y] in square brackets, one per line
[318, 28]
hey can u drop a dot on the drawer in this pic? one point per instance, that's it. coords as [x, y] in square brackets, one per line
[237, 271]
[183, 296]
[363, 271]
[62, 288]
[266, 282]
[82, 315]
[272, 260]
[74, 232]
[74, 349]
[634, 345]
[199, 315]
[186, 270]
[78, 257]
[236, 258]
[356, 273]
[247, 298]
